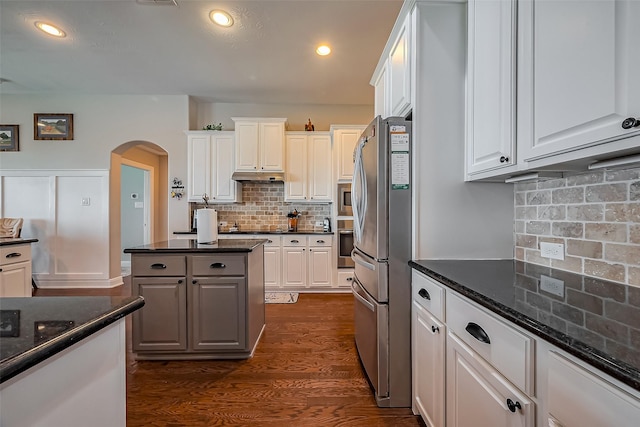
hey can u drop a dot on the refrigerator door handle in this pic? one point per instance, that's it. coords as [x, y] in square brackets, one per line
[359, 260]
[356, 293]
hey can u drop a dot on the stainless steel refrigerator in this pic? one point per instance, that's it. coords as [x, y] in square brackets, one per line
[381, 201]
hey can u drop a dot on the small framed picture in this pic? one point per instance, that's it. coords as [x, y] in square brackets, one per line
[9, 138]
[47, 127]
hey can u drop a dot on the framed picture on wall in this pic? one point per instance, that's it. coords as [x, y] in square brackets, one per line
[9, 137]
[48, 127]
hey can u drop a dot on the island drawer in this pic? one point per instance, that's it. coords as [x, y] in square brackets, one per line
[503, 346]
[159, 265]
[218, 265]
[15, 253]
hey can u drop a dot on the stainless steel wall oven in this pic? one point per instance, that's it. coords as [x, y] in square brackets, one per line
[345, 243]
[344, 199]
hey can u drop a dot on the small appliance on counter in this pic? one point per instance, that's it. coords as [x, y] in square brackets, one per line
[326, 225]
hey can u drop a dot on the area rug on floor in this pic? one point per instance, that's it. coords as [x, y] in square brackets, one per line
[280, 297]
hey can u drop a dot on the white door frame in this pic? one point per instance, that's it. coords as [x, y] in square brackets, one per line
[148, 196]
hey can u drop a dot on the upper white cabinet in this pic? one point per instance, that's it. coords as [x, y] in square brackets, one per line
[308, 159]
[380, 92]
[578, 68]
[491, 85]
[259, 144]
[392, 78]
[345, 139]
[400, 71]
[210, 166]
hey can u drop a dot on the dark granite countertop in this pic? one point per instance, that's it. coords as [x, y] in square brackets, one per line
[595, 320]
[260, 232]
[191, 246]
[36, 328]
[10, 241]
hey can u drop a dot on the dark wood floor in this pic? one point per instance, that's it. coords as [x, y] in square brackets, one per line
[305, 372]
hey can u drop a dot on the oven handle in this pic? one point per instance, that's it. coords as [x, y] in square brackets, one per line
[363, 300]
[345, 232]
[358, 259]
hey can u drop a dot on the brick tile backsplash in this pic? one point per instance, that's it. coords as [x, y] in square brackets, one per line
[263, 209]
[596, 215]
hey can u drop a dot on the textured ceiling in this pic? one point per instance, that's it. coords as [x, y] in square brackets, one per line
[268, 56]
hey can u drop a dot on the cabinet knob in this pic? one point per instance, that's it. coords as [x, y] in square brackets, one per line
[513, 405]
[434, 329]
[193, 282]
[504, 159]
[179, 281]
[630, 122]
[424, 294]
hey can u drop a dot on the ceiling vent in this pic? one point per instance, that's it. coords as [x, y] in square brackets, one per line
[158, 2]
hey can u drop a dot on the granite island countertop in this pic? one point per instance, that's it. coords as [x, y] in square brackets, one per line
[11, 241]
[595, 320]
[36, 328]
[266, 232]
[191, 246]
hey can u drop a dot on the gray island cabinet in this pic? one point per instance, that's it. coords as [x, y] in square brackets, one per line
[202, 301]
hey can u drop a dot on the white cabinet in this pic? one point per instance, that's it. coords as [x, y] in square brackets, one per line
[380, 86]
[259, 144]
[294, 262]
[345, 139]
[15, 270]
[491, 86]
[210, 166]
[577, 76]
[577, 397]
[308, 165]
[399, 70]
[272, 262]
[428, 360]
[477, 391]
[345, 278]
[320, 259]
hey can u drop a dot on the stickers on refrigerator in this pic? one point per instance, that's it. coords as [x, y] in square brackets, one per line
[399, 140]
[400, 171]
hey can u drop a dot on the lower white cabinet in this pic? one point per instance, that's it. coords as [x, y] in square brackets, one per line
[477, 394]
[577, 397]
[345, 278]
[294, 262]
[319, 261]
[272, 262]
[15, 270]
[428, 363]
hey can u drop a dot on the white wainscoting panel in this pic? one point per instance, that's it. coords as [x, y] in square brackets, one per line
[68, 212]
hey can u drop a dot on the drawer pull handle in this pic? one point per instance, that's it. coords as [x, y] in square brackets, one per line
[269, 241]
[319, 241]
[424, 294]
[13, 255]
[217, 265]
[435, 329]
[295, 241]
[158, 266]
[513, 405]
[349, 279]
[477, 332]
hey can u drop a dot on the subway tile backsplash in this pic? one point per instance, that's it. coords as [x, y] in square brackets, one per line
[263, 209]
[596, 215]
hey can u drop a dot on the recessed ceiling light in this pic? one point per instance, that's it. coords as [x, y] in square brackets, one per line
[323, 50]
[221, 18]
[50, 29]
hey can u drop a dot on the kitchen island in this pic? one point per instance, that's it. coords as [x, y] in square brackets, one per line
[203, 301]
[63, 360]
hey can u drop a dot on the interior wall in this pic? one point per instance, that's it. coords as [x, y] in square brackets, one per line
[322, 116]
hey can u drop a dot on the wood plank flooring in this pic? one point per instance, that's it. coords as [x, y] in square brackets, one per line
[305, 372]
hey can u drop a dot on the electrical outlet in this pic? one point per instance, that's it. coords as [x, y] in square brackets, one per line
[222, 223]
[318, 223]
[86, 201]
[551, 285]
[552, 250]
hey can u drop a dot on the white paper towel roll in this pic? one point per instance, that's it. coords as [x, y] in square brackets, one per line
[207, 226]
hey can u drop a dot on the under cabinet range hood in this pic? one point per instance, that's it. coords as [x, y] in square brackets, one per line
[258, 176]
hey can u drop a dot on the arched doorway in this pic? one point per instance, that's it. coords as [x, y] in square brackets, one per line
[149, 157]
